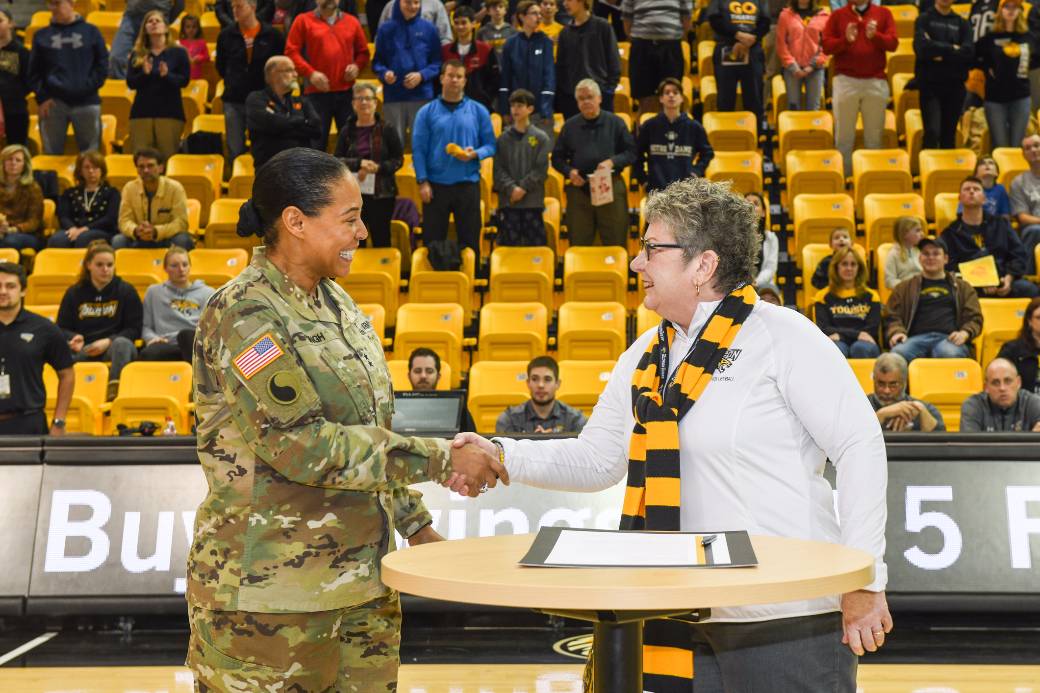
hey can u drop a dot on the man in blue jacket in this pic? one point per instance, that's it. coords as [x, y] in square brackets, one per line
[408, 57]
[67, 67]
[527, 63]
[452, 135]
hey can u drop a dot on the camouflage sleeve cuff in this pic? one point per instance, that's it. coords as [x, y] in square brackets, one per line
[439, 469]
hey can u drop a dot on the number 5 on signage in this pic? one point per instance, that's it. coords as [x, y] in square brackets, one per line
[916, 520]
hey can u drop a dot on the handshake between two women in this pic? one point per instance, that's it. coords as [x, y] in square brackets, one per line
[476, 465]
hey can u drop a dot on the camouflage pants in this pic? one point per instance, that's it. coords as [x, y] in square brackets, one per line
[353, 650]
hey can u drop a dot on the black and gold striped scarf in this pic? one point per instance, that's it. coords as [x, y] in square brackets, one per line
[652, 496]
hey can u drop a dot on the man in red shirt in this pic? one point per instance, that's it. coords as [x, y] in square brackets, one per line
[329, 49]
[858, 35]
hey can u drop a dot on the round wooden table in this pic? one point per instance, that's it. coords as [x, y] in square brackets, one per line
[618, 600]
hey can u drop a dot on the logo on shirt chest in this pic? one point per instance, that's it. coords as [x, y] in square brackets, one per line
[727, 360]
[27, 337]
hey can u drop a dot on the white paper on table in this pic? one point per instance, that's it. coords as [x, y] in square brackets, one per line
[368, 185]
[623, 549]
[601, 188]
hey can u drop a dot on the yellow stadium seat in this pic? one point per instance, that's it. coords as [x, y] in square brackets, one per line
[880, 211]
[38, 21]
[902, 58]
[512, 331]
[882, 255]
[1001, 322]
[946, 383]
[209, 122]
[945, 210]
[436, 326]
[1009, 160]
[962, 8]
[50, 216]
[903, 98]
[216, 106]
[864, 371]
[779, 97]
[904, 16]
[816, 216]
[217, 266]
[812, 253]
[55, 270]
[428, 285]
[914, 132]
[63, 165]
[242, 174]
[222, 225]
[553, 218]
[942, 170]
[194, 214]
[107, 23]
[646, 319]
[879, 171]
[595, 273]
[141, 267]
[201, 175]
[152, 391]
[121, 170]
[817, 172]
[116, 99]
[49, 311]
[210, 26]
[85, 413]
[732, 132]
[407, 187]
[521, 274]
[582, 382]
[709, 94]
[804, 130]
[743, 168]
[399, 375]
[375, 277]
[591, 330]
[889, 136]
[705, 60]
[9, 255]
[494, 386]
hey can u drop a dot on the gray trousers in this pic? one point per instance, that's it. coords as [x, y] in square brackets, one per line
[235, 125]
[401, 114]
[86, 124]
[787, 655]
[121, 352]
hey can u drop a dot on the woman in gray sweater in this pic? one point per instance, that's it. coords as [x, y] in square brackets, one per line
[172, 309]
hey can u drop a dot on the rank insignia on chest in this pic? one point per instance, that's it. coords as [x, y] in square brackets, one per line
[262, 353]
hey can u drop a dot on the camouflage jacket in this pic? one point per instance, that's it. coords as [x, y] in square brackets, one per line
[306, 481]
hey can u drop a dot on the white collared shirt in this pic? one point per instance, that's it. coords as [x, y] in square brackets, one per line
[752, 449]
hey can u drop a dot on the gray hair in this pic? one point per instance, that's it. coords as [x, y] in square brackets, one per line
[589, 84]
[705, 215]
[891, 362]
[366, 85]
[273, 62]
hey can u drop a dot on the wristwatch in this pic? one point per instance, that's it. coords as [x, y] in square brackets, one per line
[60, 423]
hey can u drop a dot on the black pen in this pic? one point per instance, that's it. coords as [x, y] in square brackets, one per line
[708, 538]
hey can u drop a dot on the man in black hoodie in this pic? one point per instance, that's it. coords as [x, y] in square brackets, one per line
[240, 61]
[67, 67]
[944, 49]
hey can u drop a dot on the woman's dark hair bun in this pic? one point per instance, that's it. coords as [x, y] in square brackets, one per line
[249, 223]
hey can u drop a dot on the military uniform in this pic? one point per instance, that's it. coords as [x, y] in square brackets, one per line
[306, 486]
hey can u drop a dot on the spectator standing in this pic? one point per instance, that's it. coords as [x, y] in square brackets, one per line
[329, 50]
[153, 211]
[587, 49]
[158, 72]
[739, 29]
[976, 234]
[14, 82]
[934, 314]
[497, 30]
[172, 310]
[542, 413]
[945, 52]
[1003, 54]
[594, 141]
[903, 260]
[130, 28]
[896, 410]
[527, 63]
[550, 26]
[407, 60]
[847, 311]
[655, 29]
[21, 201]
[798, 46]
[1025, 199]
[477, 56]
[101, 314]
[191, 40]
[276, 119]
[449, 176]
[1003, 406]
[67, 67]
[27, 342]
[265, 9]
[1024, 350]
[88, 211]
[243, 49]
[858, 35]
[432, 11]
[671, 145]
[769, 257]
[521, 167]
[372, 149]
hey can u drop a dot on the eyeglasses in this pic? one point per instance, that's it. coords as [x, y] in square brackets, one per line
[364, 98]
[648, 247]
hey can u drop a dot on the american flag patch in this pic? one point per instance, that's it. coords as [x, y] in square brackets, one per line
[259, 355]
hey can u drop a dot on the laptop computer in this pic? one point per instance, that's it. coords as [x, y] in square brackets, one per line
[428, 413]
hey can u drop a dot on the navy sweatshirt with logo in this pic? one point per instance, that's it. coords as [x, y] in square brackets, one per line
[114, 311]
[671, 151]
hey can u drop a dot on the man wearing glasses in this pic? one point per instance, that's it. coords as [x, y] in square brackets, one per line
[276, 119]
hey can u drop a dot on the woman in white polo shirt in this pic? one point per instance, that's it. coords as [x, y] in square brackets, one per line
[774, 400]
